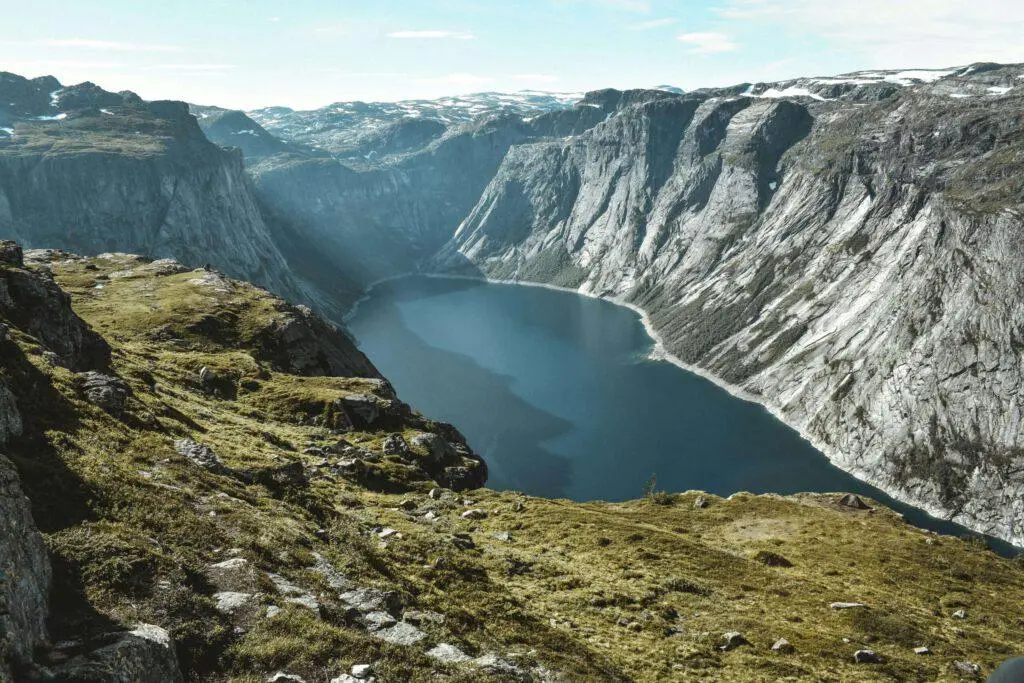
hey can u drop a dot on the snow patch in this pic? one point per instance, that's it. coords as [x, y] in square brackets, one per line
[56, 117]
[9, 131]
[791, 91]
[1000, 89]
[923, 75]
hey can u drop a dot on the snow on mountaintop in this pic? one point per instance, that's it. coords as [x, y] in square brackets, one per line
[343, 128]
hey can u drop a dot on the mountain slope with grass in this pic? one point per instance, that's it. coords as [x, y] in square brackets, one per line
[211, 484]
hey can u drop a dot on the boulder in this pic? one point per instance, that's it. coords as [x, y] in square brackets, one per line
[106, 391]
[11, 254]
[201, 455]
[853, 501]
[401, 634]
[866, 657]
[922, 650]
[362, 408]
[142, 655]
[371, 599]
[231, 602]
[701, 502]
[847, 605]
[968, 669]
[361, 671]
[733, 640]
[396, 445]
[460, 477]
[783, 646]
[282, 677]
[449, 654]
[474, 514]
[438, 451]
[374, 621]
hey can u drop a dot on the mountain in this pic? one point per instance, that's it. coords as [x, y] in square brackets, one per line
[351, 130]
[86, 169]
[204, 482]
[842, 250]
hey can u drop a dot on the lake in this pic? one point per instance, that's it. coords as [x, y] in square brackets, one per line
[558, 393]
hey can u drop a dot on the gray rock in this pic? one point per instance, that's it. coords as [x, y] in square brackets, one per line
[378, 620]
[853, 501]
[783, 646]
[449, 654]
[24, 571]
[401, 634]
[142, 655]
[370, 600]
[396, 445]
[965, 668]
[201, 455]
[438, 451]
[361, 671]
[922, 650]
[700, 502]
[282, 677]
[733, 639]
[230, 602]
[334, 578]
[294, 594]
[362, 406]
[866, 657]
[106, 391]
[960, 614]
[474, 514]
[847, 605]
[11, 254]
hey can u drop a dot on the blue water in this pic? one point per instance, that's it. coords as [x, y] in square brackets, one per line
[558, 394]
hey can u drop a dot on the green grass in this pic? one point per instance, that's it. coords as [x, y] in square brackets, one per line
[641, 590]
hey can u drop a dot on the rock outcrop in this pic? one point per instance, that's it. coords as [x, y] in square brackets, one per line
[24, 563]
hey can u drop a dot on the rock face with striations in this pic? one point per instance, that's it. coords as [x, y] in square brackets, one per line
[843, 250]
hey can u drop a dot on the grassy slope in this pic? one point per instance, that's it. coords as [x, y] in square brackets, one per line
[589, 590]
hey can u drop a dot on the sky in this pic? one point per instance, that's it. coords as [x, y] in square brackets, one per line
[308, 53]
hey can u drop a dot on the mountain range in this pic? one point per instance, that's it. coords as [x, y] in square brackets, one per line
[843, 249]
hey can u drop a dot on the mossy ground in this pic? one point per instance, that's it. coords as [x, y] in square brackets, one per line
[641, 590]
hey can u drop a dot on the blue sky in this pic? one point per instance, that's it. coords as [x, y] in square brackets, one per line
[307, 53]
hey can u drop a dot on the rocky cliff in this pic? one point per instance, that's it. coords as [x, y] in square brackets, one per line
[844, 250]
[197, 484]
[94, 171]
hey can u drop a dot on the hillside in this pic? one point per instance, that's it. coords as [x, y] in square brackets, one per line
[225, 490]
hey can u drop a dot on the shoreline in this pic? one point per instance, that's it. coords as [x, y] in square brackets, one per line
[659, 352]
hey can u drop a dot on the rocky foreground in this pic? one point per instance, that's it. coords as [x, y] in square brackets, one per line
[202, 482]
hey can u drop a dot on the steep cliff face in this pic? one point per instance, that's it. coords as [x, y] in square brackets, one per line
[845, 253]
[100, 171]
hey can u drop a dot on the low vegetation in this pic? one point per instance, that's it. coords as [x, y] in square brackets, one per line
[643, 590]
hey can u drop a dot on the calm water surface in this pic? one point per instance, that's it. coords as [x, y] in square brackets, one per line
[557, 393]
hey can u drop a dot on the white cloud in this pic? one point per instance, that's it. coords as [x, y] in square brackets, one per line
[457, 80]
[432, 35]
[652, 24]
[886, 34]
[108, 45]
[708, 43]
[537, 78]
[628, 5]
